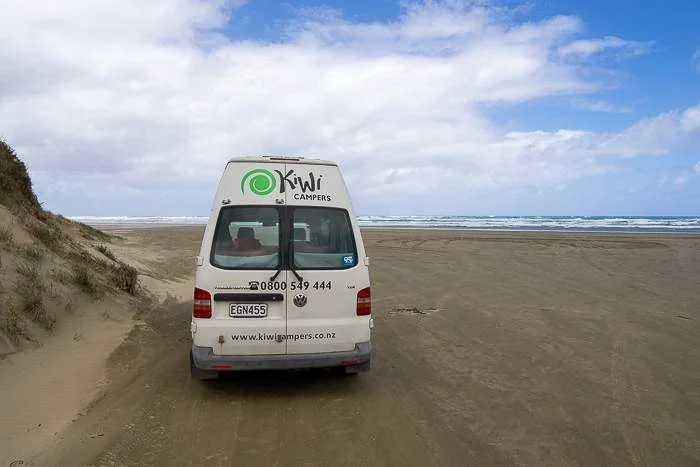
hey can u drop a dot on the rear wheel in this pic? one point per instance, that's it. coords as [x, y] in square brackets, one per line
[199, 374]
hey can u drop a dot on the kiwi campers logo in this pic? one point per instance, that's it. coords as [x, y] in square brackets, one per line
[263, 182]
[260, 182]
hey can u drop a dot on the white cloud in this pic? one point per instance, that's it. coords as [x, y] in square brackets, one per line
[601, 106]
[697, 168]
[690, 119]
[584, 48]
[652, 136]
[681, 179]
[118, 97]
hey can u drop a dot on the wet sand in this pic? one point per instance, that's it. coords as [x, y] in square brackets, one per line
[489, 349]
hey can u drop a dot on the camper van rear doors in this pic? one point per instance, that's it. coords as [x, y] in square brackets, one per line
[248, 252]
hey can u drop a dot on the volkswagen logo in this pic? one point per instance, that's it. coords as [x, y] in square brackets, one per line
[300, 300]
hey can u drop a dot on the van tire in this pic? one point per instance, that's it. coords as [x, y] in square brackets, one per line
[199, 374]
[359, 368]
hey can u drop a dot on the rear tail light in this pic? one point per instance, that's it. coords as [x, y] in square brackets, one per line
[202, 304]
[364, 302]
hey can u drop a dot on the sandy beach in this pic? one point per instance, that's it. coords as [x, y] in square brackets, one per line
[490, 349]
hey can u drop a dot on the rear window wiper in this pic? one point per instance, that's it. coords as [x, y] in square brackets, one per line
[291, 268]
[279, 270]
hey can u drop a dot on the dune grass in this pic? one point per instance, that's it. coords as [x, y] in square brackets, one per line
[28, 271]
[33, 307]
[13, 327]
[30, 253]
[50, 236]
[30, 290]
[102, 248]
[15, 184]
[6, 236]
[92, 233]
[84, 279]
[126, 278]
[62, 276]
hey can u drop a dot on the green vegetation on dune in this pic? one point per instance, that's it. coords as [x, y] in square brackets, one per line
[13, 327]
[84, 279]
[126, 278]
[102, 248]
[30, 253]
[15, 184]
[6, 235]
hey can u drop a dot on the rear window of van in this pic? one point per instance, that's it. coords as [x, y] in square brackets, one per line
[247, 237]
[323, 239]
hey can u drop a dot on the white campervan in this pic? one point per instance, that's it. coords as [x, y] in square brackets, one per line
[282, 276]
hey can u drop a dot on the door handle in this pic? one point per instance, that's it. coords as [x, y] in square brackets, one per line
[248, 297]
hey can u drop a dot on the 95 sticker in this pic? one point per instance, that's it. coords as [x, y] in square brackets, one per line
[348, 261]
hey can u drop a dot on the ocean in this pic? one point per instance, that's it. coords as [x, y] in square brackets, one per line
[654, 224]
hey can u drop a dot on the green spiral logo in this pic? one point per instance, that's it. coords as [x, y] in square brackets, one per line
[260, 182]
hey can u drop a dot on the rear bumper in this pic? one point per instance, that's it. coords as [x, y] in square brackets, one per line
[204, 359]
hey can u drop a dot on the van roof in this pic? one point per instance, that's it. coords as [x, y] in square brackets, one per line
[278, 159]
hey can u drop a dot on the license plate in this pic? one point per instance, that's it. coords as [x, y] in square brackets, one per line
[247, 310]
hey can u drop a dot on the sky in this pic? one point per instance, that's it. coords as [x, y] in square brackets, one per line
[126, 107]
